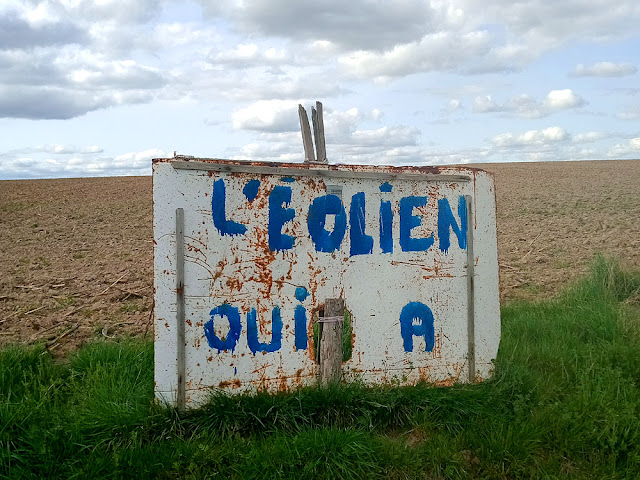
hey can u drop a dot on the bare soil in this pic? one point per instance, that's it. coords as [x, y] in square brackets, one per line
[554, 217]
[76, 255]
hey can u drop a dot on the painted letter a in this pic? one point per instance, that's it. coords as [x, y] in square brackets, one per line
[417, 311]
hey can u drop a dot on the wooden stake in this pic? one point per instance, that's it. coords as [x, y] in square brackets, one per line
[181, 393]
[331, 341]
[318, 133]
[307, 142]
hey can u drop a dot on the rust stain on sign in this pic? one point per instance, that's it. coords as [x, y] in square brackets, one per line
[267, 243]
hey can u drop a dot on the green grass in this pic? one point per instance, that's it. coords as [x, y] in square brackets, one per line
[564, 403]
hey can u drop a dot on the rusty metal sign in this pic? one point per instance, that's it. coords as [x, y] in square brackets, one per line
[246, 253]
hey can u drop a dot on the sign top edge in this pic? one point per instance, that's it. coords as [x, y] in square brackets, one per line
[279, 168]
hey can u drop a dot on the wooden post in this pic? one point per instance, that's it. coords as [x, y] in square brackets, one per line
[318, 133]
[471, 261]
[331, 341]
[307, 142]
[180, 320]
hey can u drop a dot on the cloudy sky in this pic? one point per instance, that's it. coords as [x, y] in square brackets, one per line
[99, 87]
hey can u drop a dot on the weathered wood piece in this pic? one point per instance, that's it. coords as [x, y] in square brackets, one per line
[471, 260]
[331, 341]
[314, 124]
[318, 133]
[180, 319]
[307, 142]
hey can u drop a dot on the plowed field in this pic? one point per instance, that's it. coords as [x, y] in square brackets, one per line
[76, 255]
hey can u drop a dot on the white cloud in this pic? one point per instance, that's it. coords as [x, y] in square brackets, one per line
[604, 69]
[486, 104]
[17, 32]
[90, 72]
[237, 85]
[442, 51]
[384, 137]
[268, 116]
[632, 113]
[628, 115]
[630, 149]
[76, 43]
[59, 149]
[321, 50]
[356, 24]
[369, 32]
[528, 107]
[453, 105]
[51, 84]
[562, 100]
[340, 125]
[136, 160]
[531, 137]
[588, 137]
[542, 25]
[36, 162]
[59, 103]
[275, 150]
[120, 11]
[251, 54]
[57, 57]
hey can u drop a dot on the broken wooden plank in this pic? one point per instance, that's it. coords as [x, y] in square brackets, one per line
[307, 142]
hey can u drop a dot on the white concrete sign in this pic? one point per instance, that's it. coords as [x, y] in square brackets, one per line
[246, 253]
